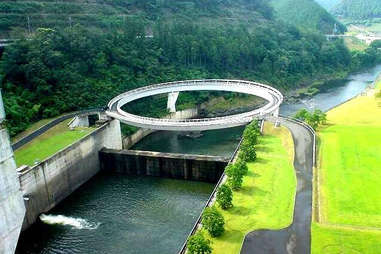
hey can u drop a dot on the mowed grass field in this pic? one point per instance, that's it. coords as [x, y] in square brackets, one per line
[267, 197]
[49, 143]
[350, 179]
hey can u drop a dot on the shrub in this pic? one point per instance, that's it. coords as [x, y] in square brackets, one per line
[197, 244]
[213, 221]
[250, 136]
[242, 166]
[247, 152]
[234, 176]
[224, 196]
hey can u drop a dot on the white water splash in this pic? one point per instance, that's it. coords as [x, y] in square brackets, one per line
[76, 223]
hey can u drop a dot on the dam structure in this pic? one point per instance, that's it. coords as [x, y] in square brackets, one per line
[33, 190]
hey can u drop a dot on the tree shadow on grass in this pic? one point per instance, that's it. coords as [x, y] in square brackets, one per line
[252, 190]
[227, 236]
[264, 149]
[239, 211]
[261, 160]
[253, 174]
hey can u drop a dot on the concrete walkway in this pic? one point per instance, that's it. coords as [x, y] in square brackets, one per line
[295, 239]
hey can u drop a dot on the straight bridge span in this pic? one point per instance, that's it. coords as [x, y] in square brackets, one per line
[273, 96]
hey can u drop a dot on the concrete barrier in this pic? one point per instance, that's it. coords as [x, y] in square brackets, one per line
[179, 166]
[49, 182]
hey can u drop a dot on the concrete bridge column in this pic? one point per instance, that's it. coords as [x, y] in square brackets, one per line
[12, 208]
[172, 98]
[276, 112]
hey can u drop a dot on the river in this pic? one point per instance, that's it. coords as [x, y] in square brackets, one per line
[136, 215]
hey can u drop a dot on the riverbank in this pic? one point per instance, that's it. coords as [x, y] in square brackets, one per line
[266, 199]
[347, 214]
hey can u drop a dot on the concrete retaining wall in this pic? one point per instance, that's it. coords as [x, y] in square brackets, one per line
[179, 166]
[12, 209]
[55, 178]
[130, 141]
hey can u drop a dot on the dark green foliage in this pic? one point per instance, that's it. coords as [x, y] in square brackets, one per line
[242, 167]
[314, 119]
[252, 132]
[213, 221]
[198, 244]
[247, 152]
[307, 15]
[224, 196]
[235, 176]
[358, 9]
[74, 66]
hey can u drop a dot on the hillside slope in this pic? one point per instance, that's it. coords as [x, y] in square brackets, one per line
[306, 14]
[98, 49]
[359, 9]
[21, 16]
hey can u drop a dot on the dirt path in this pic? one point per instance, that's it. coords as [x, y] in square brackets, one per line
[295, 239]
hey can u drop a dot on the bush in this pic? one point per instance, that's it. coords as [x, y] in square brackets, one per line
[242, 166]
[197, 244]
[213, 221]
[247, 152]
[224, 196]
[234, 176]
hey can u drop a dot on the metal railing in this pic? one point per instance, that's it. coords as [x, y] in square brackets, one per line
[210, 200]
[310, 129]
[274, 97]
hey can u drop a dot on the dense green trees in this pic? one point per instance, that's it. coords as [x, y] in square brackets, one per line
[314, 119]
[358, 9]
[307, 15]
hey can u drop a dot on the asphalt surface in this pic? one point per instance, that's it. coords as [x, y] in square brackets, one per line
[295, 239]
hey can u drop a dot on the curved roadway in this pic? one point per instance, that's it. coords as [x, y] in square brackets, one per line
[273, 96]
[295, 239]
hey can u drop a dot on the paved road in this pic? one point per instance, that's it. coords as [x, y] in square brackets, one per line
[295, 239]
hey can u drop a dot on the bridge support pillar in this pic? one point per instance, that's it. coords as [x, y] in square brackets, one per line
[276, 112]
[172, 98]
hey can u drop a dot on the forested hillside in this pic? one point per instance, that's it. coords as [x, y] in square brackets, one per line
[358, 9]
[328, 4]
[73, 66]
[306, 14]
[21, 16]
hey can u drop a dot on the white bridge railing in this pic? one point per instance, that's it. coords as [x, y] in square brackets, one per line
[273, 96]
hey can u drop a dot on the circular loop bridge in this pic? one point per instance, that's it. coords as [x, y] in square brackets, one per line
[271, 95]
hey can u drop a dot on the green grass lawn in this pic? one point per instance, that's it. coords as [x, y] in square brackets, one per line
[267, 197]
[350, 179]
[49, 143]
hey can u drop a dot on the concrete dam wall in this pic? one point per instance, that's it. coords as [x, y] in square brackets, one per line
[12, 209]
[49, 182]
[178, 166]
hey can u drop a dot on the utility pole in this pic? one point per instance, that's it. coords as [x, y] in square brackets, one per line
[28, 21]
[70, 22]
